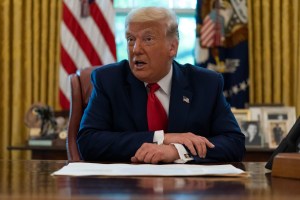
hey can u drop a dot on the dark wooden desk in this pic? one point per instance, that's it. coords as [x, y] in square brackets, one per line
[32, 180]
[59, 153]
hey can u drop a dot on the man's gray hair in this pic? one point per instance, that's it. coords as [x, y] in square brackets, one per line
[159, 14]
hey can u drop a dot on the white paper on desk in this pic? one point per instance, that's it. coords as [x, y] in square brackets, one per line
[97, 169]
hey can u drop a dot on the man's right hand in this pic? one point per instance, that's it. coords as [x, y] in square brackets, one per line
[195, 143]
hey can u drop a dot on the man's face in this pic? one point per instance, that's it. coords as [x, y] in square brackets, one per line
[150, 51]
[252, 129]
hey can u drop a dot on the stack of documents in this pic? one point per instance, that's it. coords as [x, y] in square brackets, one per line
[97, 169]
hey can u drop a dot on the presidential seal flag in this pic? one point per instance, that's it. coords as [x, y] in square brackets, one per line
[222, 45]
[87, 39]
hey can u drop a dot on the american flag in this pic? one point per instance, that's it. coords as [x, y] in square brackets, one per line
[207, 32]
[211, 30]
[87, 39]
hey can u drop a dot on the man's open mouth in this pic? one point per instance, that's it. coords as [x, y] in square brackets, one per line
[139, 63]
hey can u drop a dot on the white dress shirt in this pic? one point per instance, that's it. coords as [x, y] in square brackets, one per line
[163, 94]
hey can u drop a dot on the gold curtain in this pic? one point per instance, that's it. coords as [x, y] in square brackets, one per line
[274, 51]
[29, 64]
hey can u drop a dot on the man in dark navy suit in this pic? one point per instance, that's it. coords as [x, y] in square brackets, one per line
[197, 125]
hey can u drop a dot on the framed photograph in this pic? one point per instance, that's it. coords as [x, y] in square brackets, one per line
[241, 115]
[277, 131]
[277, 122]
[253, 136]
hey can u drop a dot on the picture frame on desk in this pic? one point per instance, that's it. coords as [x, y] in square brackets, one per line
[253, 136]
[277, 131]
[277, 121]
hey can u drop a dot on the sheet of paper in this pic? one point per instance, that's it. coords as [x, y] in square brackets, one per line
[97, 169]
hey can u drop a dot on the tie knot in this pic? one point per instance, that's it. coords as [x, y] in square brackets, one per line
[153, 87]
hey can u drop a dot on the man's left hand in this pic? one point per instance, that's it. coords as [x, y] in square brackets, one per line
[153, 153]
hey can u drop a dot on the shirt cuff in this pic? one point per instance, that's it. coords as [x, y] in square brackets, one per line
[183, 154]
[158, 137]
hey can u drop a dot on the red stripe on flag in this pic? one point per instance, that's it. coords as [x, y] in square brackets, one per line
[67, 61]
[208, 36]
[207, 32]
[207, 27]
[64, 101]
[80, 36]
[104, 28]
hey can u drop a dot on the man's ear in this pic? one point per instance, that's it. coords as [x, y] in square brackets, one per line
[173, 47]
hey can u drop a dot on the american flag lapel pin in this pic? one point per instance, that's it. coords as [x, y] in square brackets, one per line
[185, 99]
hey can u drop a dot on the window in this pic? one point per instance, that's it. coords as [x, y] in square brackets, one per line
[185, 10]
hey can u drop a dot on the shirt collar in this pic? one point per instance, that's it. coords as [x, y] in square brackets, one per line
[165, 82]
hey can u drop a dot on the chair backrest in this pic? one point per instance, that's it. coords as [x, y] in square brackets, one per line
[81, 89]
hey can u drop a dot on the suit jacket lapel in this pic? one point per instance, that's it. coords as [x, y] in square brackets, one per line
[137, 101]
[180, 101]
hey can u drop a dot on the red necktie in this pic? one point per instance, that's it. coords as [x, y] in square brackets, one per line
[156, 114]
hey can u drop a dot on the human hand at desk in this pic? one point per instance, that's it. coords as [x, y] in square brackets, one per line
[195, 143]
[153, 153]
